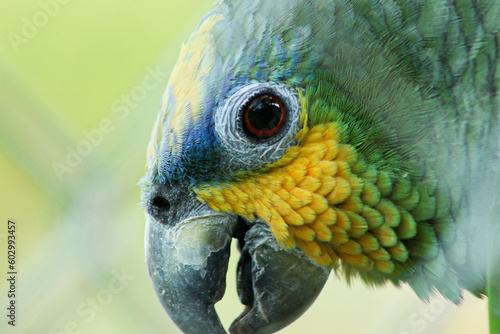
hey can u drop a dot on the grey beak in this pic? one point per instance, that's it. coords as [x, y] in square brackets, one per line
[277, 285]
[187, 253]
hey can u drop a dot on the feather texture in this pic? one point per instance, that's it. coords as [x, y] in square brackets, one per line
[393, 171]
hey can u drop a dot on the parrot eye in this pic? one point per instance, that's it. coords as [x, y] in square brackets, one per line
[256, 124]
[264, 116]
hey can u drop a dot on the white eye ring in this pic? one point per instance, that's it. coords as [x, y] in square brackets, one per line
[246, 152]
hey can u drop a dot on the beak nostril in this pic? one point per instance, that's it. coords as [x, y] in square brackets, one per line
[161, 204]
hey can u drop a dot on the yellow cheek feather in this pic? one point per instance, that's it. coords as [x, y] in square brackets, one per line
[323, 197]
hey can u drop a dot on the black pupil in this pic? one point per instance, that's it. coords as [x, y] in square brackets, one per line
[264, 114]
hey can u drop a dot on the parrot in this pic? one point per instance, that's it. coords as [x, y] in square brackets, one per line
[358, 137]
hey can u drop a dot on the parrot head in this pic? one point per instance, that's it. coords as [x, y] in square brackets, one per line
[287, 127]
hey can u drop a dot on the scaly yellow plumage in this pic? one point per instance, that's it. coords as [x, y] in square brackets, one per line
[322, 194]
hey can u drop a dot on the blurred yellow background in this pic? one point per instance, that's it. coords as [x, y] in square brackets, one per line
[80, 86]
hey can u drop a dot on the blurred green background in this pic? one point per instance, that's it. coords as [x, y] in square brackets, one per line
[80, 86]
